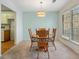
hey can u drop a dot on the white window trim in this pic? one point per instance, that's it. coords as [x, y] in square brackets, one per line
[67, 38]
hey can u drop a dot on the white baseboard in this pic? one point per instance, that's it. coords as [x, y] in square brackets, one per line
[0, 55]
[71, 45]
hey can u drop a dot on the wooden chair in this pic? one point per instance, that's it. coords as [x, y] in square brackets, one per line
[43, 35]
[32, 37]
[52, 37]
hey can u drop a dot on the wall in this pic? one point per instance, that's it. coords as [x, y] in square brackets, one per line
[70, 44]
[7, 15]
[19, 29]
[31, 20]
[0, 29]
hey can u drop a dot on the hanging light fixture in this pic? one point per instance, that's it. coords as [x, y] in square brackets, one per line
[53, 1]
[41, 12]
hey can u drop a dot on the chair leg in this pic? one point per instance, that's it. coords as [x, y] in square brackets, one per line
[38, 55]
[48, 55]
[54, 45]
[31, 46]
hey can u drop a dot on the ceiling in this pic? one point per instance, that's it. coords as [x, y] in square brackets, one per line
[34, 5]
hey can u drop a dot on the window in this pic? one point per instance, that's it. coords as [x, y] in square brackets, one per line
[67, 24]
[76, 25]
[70, 22]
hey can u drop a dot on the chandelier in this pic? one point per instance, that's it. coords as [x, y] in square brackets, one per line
[41, 12]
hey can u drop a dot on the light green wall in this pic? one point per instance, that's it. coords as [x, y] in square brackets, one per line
[30, 20]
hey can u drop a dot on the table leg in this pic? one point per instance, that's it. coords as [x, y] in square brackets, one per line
[38, 55]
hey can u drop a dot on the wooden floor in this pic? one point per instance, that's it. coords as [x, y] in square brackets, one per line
[21, 51]
[6, 46]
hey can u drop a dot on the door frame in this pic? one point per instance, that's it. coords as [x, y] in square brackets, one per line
[14, 30]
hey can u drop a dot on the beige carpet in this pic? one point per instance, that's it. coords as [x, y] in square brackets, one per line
[21, 51]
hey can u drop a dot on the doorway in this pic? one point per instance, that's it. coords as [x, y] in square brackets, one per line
[7, 28]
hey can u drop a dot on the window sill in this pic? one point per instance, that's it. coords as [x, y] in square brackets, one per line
[74, 42]
[67, 38]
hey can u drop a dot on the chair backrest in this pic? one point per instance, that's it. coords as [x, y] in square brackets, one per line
[42, 32]
[54, 33]
[30, 33]
[48, 32]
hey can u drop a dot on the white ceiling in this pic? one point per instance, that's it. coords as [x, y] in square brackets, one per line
[34, 5]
